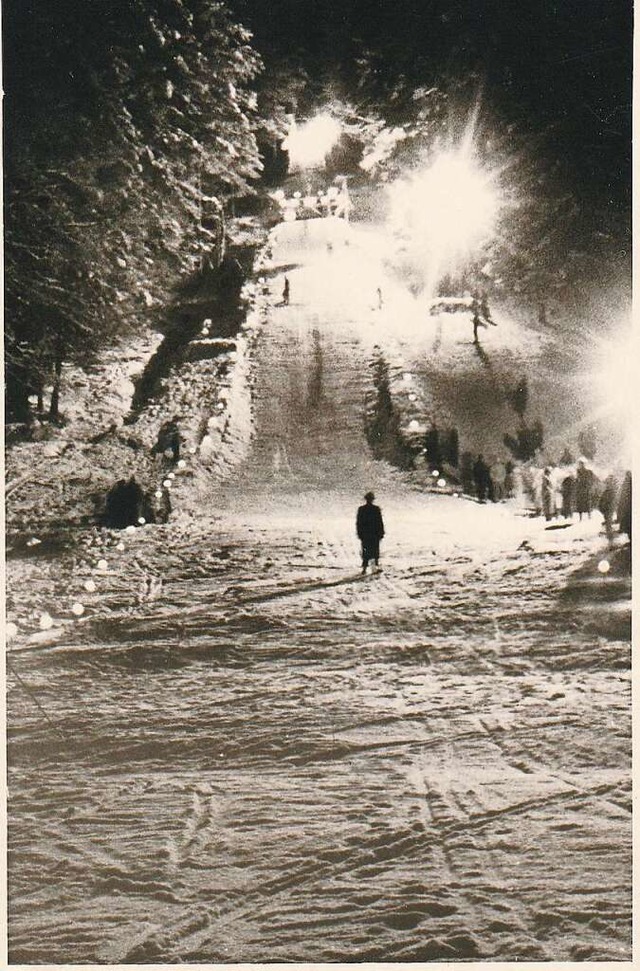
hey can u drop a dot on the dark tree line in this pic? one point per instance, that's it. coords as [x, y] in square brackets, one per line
[129, 127]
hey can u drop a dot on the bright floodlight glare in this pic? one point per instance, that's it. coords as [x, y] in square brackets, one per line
[614, 374]
[308, 143]
[446, 210]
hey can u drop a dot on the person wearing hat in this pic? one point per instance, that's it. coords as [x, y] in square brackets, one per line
[370, 530]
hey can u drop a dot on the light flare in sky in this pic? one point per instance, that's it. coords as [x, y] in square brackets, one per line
[309, 143]
[446, 210]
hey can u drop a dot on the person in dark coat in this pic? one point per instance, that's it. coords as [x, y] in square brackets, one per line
[370, 530]
[481, 478]
[568, 489]
[607, 504]
[548, 509]
[168, 443]
[286, 291]
[125, 505]
[432, 446]
[624, 506]
[584, 490]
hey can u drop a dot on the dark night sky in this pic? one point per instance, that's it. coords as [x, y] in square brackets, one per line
[558, 66]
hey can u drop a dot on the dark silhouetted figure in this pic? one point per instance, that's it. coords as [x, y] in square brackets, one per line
[370, 530]
[466, 472]
[584, 490]
[168, 443]
[607, 504]
[568, 489]
[432, 446]
[126, 504]
[450, 447]
[624, 506]
[286, 291]
[547, 495]
[481, 478]
[379, 293]
[566, 458]
[476, 324]
[509, 483]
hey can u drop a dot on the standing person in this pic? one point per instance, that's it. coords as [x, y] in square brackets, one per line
[379, 294]
[568, 489]
[481, 478]
[548, 509]
[607, 504]
[476, 324]
[169, 440]
[584, 487]
[432, 446]
[508, 485]
[286, 292]
[624, 506]
[370, 530]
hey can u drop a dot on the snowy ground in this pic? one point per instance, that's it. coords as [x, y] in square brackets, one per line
[246, 752]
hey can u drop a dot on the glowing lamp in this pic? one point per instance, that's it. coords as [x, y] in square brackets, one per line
[604, 566]
[77, 609]
[46, 621]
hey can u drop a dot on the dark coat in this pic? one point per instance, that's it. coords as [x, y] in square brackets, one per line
[369, 525]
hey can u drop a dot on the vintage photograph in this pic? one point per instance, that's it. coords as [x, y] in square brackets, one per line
[319, 370]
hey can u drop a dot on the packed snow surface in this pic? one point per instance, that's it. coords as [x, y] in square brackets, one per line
[244, 751]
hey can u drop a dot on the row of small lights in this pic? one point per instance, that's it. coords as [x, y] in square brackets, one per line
[77, 609]
[46, 621]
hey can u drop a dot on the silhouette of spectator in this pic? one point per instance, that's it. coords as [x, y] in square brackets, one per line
[584, 490]
[607, 504]
[450, 447]
[370, 530]
[566, 458]
[624, 505]
[379, 293]
[466, 473]
[432, 446]
[481, 478]
[508, 482]
[548, 505]
[476, 324]
[286, 291]
[160, 506]
[168, 443]
[125, 504]
[568, 489]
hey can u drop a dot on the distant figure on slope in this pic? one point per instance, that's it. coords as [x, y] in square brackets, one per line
[624, 506]
[126, 504]
[476, 324]
[584, 490]
[547, 490]
[286, 292]
[481, 478]
[607, 504]
[370, 530]
[508, 485]
[568, 489]
[432, 445]
[379, 293]
[168, 443]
